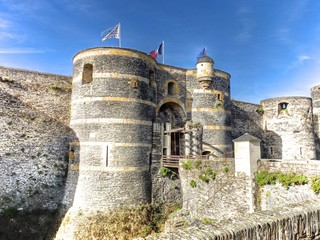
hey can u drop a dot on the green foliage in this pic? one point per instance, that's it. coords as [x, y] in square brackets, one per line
[286, 179]
[60, 88]
[187, 164]
[193, 183]
[205, 178]
[218, 104]
[213, 176]
[315, 184]
[226, 169]
[260, 110]
[265, 178]
[291, 179]
[166, 172]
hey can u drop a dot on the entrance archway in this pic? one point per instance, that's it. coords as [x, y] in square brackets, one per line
[172, 113]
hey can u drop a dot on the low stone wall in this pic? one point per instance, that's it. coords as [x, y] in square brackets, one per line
[308, 168]
[208, 196]
[273, 196]
[292, 222]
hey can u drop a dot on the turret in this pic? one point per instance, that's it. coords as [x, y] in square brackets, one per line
[205, 72]
[211, 107]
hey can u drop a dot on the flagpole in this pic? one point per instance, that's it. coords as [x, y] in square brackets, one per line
[119, 35]
[162, 52]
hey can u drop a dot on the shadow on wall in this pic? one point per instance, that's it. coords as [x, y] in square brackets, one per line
[246, 118]
[271, 146]
[34, 166]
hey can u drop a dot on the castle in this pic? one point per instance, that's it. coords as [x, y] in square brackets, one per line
[130, 113]
[125, 118]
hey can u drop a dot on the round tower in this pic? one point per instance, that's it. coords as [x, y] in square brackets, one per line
[112, 114]
[315, 95]
[205, 71]
[211, 107]
[288, 127]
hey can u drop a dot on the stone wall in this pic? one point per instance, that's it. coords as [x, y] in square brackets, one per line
[288, 125]
[210, 189]
[246, 119]
[273, 196]
[34, 138]
[292, 222]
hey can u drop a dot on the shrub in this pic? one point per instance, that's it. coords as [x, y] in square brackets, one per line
[193, 183]
[213, 176]
[204, 178]
[226, 169]
[166, 172]
[218, 104]
[260, 110]
[286, 179]
[315, 184]
[187, 165]
[264, 178]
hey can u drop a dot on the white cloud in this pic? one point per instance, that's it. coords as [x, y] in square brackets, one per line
[303, 58]
[247, 25]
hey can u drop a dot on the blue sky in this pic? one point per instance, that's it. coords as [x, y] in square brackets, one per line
[271, 48]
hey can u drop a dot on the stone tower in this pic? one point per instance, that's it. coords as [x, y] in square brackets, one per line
[315, 95]
[112, 114]
[211, 107]
[288, 126]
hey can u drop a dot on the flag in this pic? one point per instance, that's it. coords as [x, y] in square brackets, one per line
[154, 53]
[111, 33]
[160, 49]
[202, 53]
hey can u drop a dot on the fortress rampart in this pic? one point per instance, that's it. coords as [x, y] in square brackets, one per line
[34, 138]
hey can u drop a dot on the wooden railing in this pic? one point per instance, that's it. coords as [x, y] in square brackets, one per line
[172, 161]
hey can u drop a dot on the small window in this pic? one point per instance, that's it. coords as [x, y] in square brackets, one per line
[282, 107]
[134, 83]
[87, 73]
[301, 151]
[170, 88]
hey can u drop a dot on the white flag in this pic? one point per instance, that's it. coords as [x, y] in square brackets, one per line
[111, 33]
